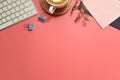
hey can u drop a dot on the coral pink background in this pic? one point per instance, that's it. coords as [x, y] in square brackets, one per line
[59, 50]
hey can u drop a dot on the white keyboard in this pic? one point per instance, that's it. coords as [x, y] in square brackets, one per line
[14, 11]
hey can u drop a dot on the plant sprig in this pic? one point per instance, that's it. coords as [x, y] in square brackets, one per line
[82, 12]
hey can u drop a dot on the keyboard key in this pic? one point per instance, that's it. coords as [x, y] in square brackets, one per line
[6, 24]
[27, 3]
[5, 9]
[0, 22]
[4, 3]
[21, 12]
[3, 20]
[18, 2]
[8, 12]
[13, 0]
[1, 0]
[28, 8]
[12, 16]
[9, 1]
[0, 17]
[1, 5]
[1, 11]
[34, 11]
[4, 15]
[15, 20]
[25, 16]
[22, 1]
[13, 10]
[29, 14]
[13, 4]
[8, 18]
[9, 7]
[17, 8]
[20, 18]
[17, 14]
[21, 6]
[27, 0]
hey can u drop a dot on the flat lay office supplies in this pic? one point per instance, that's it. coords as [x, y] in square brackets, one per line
[14, 11]
[59, 49]
[104, 11]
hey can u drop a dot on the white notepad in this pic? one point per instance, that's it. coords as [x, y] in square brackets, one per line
[104, 11]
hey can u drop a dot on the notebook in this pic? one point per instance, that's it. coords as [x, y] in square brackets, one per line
[104, 11]
[115, 24]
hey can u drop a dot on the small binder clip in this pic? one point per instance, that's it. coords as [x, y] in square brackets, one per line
[42, 17]
[30, 26]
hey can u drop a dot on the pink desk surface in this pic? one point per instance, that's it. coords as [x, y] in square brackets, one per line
[59, 50]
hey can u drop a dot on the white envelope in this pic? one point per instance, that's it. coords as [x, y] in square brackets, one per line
[104, 11]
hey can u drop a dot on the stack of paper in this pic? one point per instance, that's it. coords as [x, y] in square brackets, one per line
[105, 12]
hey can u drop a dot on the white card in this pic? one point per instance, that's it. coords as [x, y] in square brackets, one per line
[104, 11]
